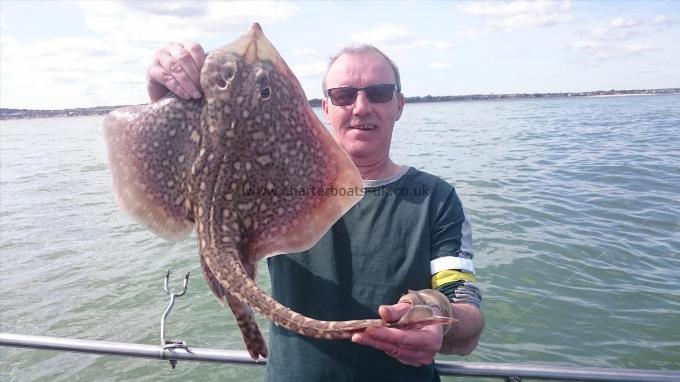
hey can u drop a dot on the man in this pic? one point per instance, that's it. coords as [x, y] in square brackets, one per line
[408, 233]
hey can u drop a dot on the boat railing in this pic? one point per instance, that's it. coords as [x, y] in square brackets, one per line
[507, 371]
[174, 351]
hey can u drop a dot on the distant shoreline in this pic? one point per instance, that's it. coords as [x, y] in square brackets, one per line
[6, 114]
[620, 95]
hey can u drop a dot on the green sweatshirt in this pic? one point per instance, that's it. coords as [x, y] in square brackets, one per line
[375, 253]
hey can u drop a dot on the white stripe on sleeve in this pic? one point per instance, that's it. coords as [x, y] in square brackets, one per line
[451, 262]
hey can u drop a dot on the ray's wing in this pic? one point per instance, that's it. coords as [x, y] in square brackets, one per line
[150, 152]
[309, 187]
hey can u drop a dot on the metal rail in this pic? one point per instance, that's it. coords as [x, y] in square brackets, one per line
[127, 349]
[177, 350]
[473, 369]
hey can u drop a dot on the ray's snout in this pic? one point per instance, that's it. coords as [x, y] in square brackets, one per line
[255, 30]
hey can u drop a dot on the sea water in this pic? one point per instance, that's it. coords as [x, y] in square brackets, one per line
[574, 203]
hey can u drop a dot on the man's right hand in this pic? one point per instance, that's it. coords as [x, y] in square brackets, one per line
[176, 68]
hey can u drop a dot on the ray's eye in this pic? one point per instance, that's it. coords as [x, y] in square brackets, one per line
[227, 75]
[262, 81]
[229, 71]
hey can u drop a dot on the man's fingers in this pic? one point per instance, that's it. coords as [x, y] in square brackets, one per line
[413, 357]
[155, 83]
[188, 61]
[409, 357]
[415, 347]
[386, 339]
[421, 339]
[175, 68]
[159, 79]
[196, 52]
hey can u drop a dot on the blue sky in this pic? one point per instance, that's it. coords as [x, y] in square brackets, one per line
[60, 54]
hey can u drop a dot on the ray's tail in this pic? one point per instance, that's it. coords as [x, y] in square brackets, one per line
[246, 290]
[252, 337]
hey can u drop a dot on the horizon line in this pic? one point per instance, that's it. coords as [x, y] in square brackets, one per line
[426, 98]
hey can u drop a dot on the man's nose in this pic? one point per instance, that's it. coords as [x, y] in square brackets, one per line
[361, 105]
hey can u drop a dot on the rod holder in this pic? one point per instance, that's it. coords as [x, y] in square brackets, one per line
[172, 344]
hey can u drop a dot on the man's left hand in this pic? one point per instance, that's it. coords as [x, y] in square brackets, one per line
[415, 347]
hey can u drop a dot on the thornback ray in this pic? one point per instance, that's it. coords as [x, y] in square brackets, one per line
[251, 167]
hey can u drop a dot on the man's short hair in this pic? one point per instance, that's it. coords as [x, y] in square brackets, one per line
[358, 49]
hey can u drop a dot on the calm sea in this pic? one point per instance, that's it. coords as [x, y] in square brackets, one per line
[575, 205]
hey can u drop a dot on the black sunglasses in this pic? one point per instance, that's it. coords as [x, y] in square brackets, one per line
[375, 93]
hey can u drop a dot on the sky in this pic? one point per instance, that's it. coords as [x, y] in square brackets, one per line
[67, 54]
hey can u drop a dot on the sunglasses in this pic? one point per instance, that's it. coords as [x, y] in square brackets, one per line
[375, 93]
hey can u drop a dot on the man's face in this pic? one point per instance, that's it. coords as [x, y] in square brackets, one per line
[363, 129]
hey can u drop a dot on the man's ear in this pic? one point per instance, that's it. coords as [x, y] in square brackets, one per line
[401, 100]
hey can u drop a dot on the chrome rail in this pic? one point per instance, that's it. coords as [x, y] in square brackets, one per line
[510, 372]
[178, 350]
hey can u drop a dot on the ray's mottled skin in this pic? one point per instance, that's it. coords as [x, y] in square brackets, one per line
[251, 167]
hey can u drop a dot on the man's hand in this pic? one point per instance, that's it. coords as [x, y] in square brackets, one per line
[415, 347]
[176, 68]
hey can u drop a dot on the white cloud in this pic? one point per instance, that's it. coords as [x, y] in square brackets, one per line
[625, 22]
[587, 44]
[158, 22]
[510, 9]
[310, 75]
[309, 70]
[439, 65]
[68, 72]
[7, 40]
[476, 34]
[662, 20]
[304, 52]
[4, 38]
[532, 20]
[516, 14]
[397, 37]
[638, 22]
[603, 50]
[71, 72]
[312, 69]
[171, 8]
[616, 38]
